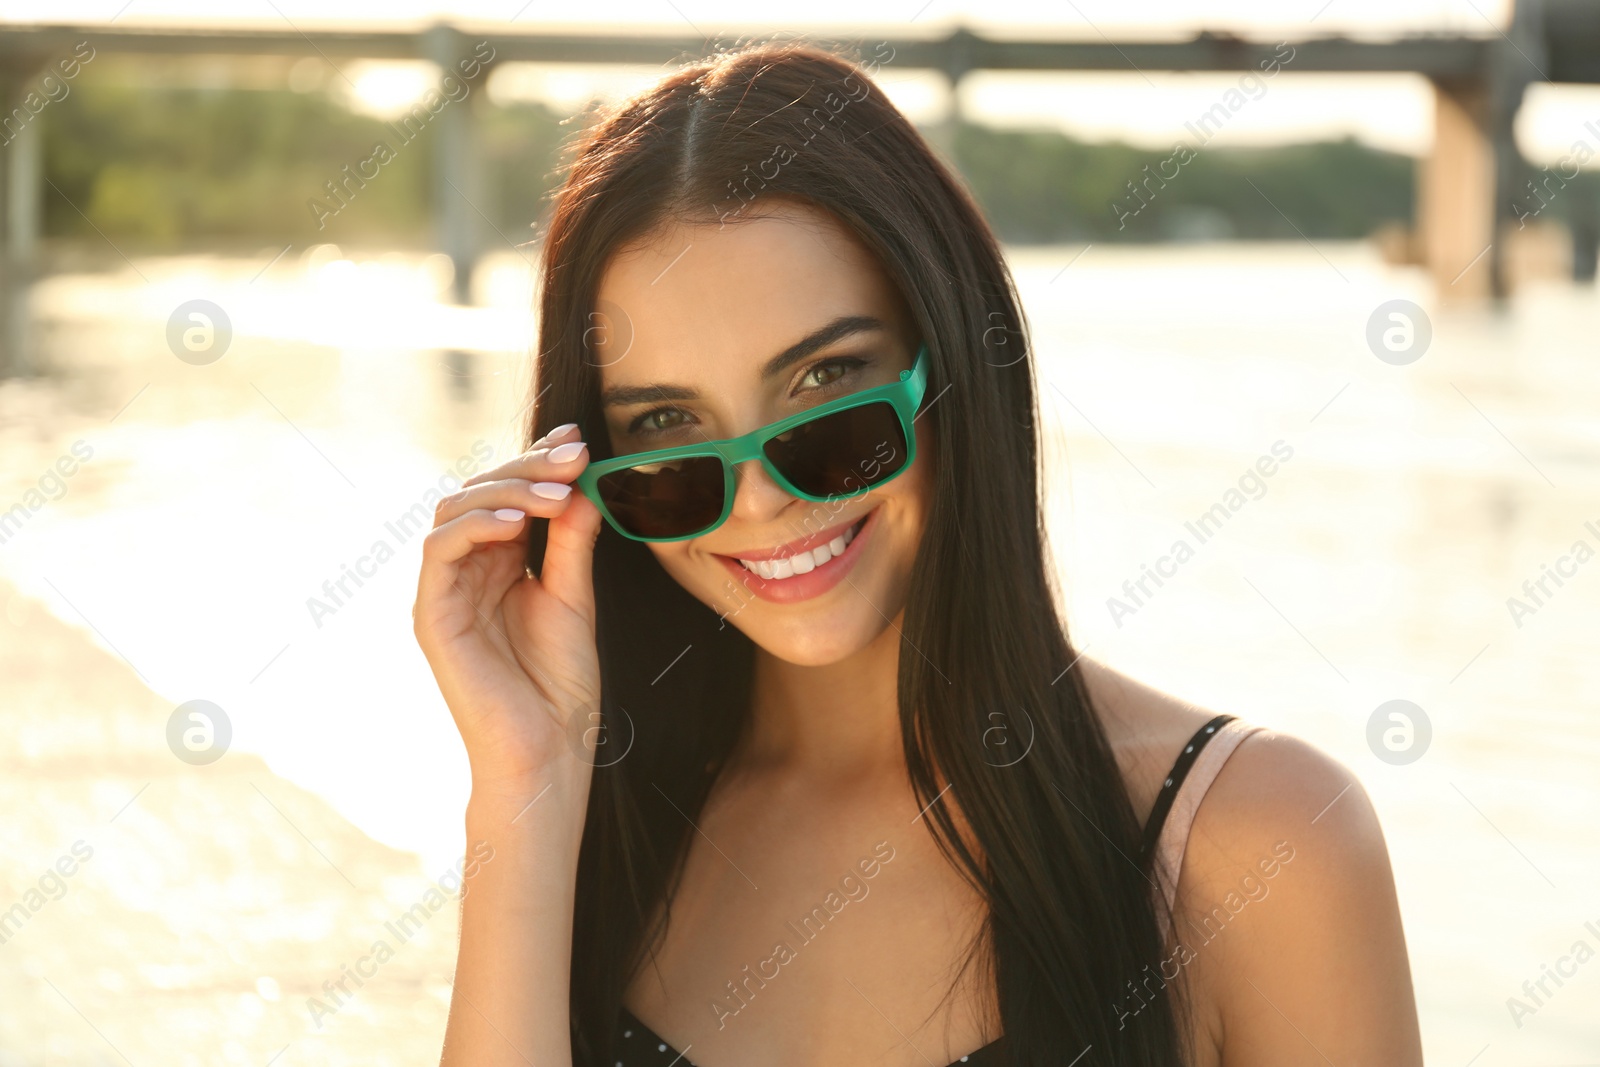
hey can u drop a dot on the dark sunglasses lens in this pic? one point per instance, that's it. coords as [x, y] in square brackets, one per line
[679, 498]
[841, 454]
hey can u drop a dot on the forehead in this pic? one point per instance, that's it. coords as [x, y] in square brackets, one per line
[698, 300]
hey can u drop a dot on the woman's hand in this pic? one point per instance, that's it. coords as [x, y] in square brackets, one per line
[515, 656]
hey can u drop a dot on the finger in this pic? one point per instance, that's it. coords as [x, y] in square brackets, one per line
[545, 499]
[446, 546]
[568, 571]
[567, 431]
[559, 463]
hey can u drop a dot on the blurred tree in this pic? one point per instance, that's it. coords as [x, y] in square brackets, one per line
[521, 145]
[163, 168]
[1044, 186]
[167, 168]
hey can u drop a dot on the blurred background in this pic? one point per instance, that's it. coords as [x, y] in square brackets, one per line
[267, 286]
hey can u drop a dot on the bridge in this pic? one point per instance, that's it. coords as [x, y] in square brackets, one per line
[1469, 188]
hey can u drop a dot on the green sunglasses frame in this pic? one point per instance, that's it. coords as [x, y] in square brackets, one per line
[905, 396]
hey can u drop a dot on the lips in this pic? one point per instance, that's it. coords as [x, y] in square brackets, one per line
[797, 546]
[782, 575]
[800, 558]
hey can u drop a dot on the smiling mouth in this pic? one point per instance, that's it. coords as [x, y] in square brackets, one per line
[805, 561]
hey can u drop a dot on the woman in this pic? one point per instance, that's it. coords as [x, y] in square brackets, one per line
[777, 738]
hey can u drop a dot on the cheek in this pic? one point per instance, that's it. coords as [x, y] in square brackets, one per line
[906, 503]
[914, 490]
[702, 576]
[673, 557]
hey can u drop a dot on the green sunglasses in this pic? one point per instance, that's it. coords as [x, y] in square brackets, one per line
[834, 451]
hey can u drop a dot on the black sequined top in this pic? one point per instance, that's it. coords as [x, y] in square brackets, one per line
[640, 1046]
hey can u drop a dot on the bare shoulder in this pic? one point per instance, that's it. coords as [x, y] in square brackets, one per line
[1288, 916]
[1287, 925]
[1146, 728]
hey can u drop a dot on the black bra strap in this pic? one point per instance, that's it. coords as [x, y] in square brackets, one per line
[1169, 788]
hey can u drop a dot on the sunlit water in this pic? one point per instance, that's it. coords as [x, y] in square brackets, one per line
[1374, 564]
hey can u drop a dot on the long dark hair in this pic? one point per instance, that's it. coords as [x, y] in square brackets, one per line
[1072, 927]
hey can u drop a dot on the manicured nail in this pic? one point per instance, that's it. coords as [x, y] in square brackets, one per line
[510, 515]
[551, 490]
[561, 431]
[566, 453]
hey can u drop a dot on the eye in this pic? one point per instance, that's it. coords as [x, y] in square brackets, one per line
[826, 373]
[659, 419]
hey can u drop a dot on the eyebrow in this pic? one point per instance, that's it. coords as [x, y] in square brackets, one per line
[815, 341]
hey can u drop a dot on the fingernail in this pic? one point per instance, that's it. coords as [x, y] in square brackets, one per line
[551, 490]
[510, 515]
[562, 430]
[566, 453]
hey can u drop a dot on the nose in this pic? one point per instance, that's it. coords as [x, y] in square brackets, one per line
[756, 497]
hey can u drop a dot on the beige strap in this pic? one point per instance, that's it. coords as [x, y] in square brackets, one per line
[1174, 836]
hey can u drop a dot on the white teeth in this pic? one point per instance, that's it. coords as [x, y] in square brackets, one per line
[802, 563]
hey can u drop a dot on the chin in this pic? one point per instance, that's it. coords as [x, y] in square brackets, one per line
[815, 642]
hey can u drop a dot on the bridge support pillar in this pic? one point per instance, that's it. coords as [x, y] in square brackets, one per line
[21, 179]
[1456, 196]
[458, 174]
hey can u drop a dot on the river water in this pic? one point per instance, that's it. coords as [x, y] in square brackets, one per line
[1406, 504]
